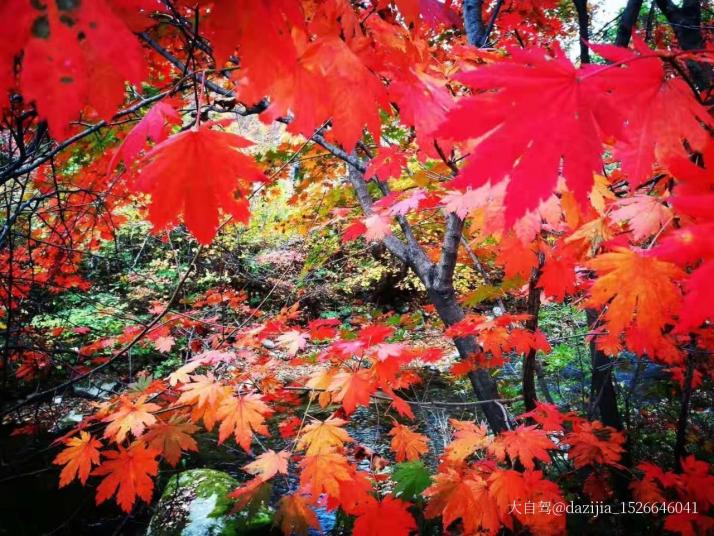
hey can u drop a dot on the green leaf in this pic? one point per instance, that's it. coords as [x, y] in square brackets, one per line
[412, 478]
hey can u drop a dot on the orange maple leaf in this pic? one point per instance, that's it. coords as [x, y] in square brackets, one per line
[594, 443]
[269, 464]
[78, 457]
[406, 444]
[508, 488]
[171, 437]
[242, 416]
[323, 473]
[640, 291]
[468, 438]
[131, 416]
[128, 473]
[205, 394]
[323, 436]
[321, 381]
[182, 374]
[526, 443]
[518, 259]
[353, 389]
[453, 496]
[295, 516]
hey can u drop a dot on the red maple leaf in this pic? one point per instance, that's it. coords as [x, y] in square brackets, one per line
[387, 164]
[194, 174]
[557, 279]
[594, 443]
[77, 54]
[661, 111]
[127, 472]
[151, 127]
[514, 126]
[388, 517]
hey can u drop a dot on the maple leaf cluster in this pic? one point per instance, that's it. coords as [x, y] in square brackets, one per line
[479, 478]
[586, 184]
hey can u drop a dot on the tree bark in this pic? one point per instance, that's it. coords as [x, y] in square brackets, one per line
[686, 22]
[485, 387]
[530, 397]
[680, 445]
[581, 6]
[649, 24]
[628, 20]
[473, 21]
[603, 399]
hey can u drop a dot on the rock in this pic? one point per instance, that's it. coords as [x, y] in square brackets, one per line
[92, 392]
[70, 420]
[195, 503]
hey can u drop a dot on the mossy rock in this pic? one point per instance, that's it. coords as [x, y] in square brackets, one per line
[196, 503]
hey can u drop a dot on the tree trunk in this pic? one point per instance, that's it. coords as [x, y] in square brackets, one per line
[680, 446]
[686, 22]
[603, 399]
[473, 21]
[530, 398]
[581, 7]
[628, 20]
[483, 384]
[438, 280]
